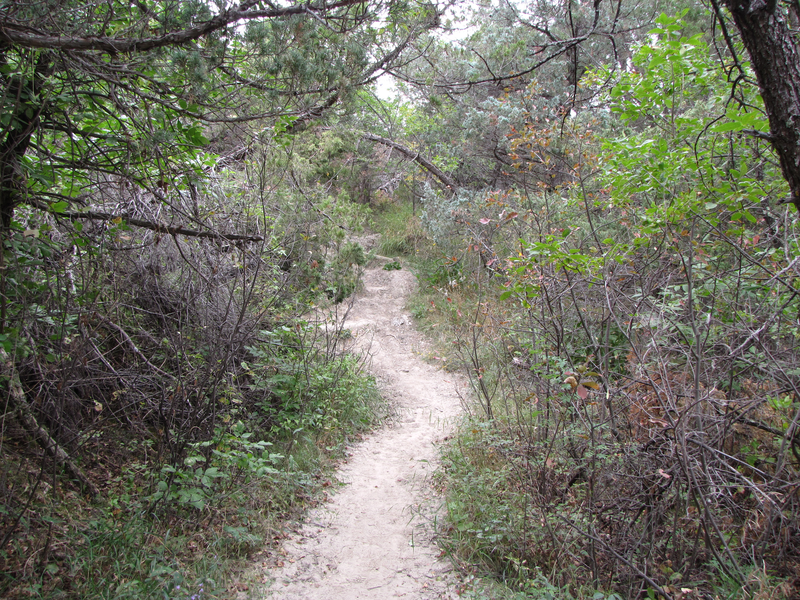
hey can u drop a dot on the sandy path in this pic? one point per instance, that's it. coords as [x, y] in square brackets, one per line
[373, 540]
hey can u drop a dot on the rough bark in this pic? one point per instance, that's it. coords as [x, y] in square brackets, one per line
[774, 57]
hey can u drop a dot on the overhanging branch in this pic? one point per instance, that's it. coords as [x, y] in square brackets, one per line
[21, 35]
[316, 112]
[416, 157]
[92, 215]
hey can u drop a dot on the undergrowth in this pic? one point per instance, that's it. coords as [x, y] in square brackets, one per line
[186, 530]
[606, 454]
[630, 334]
[399, 226]
[194, 392]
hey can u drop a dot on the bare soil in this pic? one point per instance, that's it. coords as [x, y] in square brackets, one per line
[374, 539]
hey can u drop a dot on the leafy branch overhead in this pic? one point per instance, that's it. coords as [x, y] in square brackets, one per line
[17, 33]
[144, 95]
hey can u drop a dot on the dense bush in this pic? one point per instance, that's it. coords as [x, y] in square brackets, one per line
[193, 384]
[631, 341]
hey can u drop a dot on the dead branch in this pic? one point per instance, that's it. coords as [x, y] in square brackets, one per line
[130, 343]
[39, 433]
[416, 157]
[93, 215]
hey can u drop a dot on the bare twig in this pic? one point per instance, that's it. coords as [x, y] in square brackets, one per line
[39, 433]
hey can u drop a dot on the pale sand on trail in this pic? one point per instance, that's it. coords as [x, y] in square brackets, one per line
[374, 538]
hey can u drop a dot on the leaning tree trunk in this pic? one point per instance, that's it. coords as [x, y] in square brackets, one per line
[776, 62]
[16, 402]
[416, 157]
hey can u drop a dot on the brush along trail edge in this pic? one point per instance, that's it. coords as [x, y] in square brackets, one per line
[375, 538]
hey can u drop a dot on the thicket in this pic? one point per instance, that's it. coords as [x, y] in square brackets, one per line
[627, 314]
[187, 394]
[175, 269]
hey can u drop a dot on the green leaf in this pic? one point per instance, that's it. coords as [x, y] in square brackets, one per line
[727, 126]
[195, 137]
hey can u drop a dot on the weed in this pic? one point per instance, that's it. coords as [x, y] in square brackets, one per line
[392, 266]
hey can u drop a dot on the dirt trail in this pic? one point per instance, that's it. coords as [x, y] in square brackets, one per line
[373, 540]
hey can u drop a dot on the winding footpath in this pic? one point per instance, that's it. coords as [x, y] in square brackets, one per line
[374, 538]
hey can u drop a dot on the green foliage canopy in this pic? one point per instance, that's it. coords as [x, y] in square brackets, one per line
[136, 97]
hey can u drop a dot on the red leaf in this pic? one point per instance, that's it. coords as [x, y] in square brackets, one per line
[485, 221]
[583, 392]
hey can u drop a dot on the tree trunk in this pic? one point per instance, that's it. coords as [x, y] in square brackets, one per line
[774, 56]
[12, 181]
[25, 92]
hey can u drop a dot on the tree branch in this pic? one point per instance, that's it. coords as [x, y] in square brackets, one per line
[127, 339]
[416, 157]
[315, 112]
[20, 35]
[156, 226]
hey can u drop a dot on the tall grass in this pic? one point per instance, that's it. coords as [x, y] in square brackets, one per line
[399, 226]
